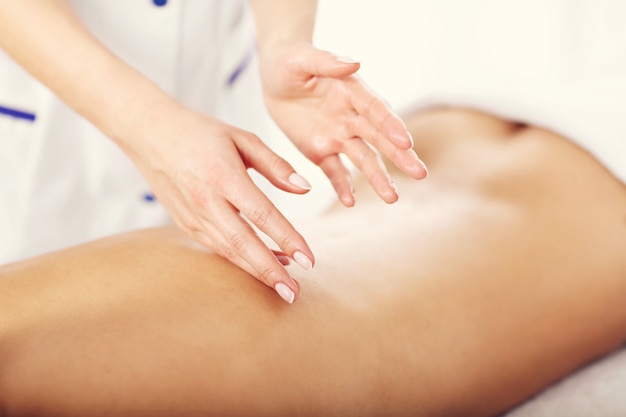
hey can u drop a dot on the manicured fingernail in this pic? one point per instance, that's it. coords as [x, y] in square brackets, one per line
[410, 138]
[299, 181]
[303, 260]
[346, 60]
[424, 167]
[283, 259]
[285, 292]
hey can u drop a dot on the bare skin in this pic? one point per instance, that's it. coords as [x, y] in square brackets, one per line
[502, 273]
[196, 164]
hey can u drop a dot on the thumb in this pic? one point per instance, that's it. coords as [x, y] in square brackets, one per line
[325, 64]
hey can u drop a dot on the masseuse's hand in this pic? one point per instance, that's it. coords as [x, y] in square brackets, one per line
[197, 167]
[326, 110]
[195, 164]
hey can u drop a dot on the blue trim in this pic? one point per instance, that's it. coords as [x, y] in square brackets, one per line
[149, 198]
[159, 3]
[18, 114]
[242, 65]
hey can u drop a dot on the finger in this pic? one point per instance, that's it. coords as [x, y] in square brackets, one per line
[211, 238]
[282, 257]
[239, 240]
[406, 160]
[255, 154]
[325, 64]
[340, 178]
[263, 214]
[380, 115]
[214, 238]
[368, 160]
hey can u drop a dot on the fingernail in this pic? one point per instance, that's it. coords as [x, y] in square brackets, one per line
[285, 292]
[284, 260]
[303, 260]
[299, 181]
[348, 201]
[410, 138]
[424, 167]
[346, 60]
[395, 188]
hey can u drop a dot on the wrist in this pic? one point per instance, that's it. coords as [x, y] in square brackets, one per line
[283, 22]
[133, 111]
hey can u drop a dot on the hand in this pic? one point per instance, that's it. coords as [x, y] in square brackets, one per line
[197, 166]
[326, 110]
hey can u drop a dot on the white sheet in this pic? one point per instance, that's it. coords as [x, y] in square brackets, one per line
[599, 390]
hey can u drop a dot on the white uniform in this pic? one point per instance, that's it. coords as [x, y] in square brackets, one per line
[61, 181]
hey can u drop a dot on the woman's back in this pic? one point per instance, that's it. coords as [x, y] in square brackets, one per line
[501, 273]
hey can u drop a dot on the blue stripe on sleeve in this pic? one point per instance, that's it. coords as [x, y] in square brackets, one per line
[242, 65]
[18, 114]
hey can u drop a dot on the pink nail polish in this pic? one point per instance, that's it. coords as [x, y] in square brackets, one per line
[303, 260]
[285, 292]
[346, 60]
[299, 181]
[410, 138]
[424, 166]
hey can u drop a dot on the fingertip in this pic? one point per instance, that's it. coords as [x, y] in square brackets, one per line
[303, 260]
[417, 170]
[348, 200]
[285, 292]
[347, 66]
[289, 290]
[283, 259]
[411, 164]
[300, 183]
[411, 141]
[391, 195]
[424, 169]
[391, 198]
[326, 64]
[347, 60]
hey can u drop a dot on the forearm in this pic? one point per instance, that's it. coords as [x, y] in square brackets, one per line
[284, 21]
[49, 41]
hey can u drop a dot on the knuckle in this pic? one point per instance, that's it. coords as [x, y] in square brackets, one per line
[200, 237]
[227, 251]
[323, 145]
[375, 137]
[386, 119]
[278, 164]
[267, 275]
[260, 216]
[285, 242]
[237, 241]
[357, 152]
[379, 179]
[367, 110]
[199, 198]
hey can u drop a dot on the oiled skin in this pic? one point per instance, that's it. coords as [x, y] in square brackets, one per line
[501, 273]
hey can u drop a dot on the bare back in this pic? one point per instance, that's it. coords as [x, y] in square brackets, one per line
[503, 272]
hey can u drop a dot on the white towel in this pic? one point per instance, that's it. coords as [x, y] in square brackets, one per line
[597, 390]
